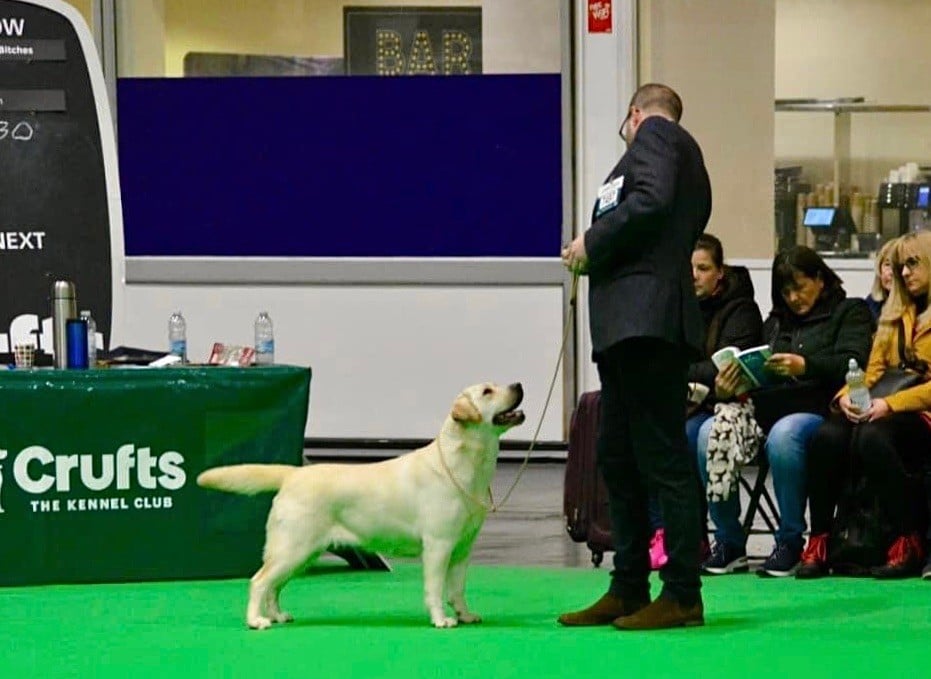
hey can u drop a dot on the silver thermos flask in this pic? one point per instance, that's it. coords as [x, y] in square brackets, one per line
[64, 306]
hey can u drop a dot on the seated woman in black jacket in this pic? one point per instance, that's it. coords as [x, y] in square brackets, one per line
[814, 329]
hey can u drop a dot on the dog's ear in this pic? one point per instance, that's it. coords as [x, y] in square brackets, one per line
[465, 411]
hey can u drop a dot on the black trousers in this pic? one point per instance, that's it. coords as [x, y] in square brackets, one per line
[892, 453]
[642, 449]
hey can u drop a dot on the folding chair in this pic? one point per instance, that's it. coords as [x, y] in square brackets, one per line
[757, 492]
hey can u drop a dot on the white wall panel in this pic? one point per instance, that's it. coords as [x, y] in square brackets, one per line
[387, 361]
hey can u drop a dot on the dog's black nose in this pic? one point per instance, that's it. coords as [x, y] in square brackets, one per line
[518, 388]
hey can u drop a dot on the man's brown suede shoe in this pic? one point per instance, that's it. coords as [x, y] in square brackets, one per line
[663, 613]
[602, 612]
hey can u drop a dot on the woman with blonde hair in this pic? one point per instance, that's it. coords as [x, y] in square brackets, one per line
[882, 280]
[890, 440]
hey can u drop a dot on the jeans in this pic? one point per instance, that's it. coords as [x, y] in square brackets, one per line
[785, 449]
[692, 426]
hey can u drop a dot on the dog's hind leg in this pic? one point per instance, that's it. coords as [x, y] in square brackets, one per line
[436, 554]
[264, 589]
[284, 555]
[455, 588]
[254, 609]
[272, 607]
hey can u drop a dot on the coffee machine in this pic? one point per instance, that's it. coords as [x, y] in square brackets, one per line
[832, 228]
[903, 207]
[788, 186]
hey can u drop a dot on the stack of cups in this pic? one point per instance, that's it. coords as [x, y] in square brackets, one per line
[24, 355]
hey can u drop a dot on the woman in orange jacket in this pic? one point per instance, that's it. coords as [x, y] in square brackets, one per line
[891, 440]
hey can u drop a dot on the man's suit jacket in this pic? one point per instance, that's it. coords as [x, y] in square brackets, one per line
[639, 252]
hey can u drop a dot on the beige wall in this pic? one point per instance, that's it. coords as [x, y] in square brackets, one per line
[84, 7]
[718, 54]
[140, 37]
[518, 35]
[844, 48]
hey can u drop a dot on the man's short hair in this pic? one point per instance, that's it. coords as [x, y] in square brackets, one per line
[654, 96]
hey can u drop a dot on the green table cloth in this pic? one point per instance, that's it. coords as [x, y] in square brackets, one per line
[98, 469]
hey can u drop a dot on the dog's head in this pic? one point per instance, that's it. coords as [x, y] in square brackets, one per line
[489, 404]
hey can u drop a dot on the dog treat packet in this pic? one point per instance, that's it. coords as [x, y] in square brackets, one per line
[231, 355]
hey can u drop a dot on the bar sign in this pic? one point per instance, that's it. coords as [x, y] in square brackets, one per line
[599, 16]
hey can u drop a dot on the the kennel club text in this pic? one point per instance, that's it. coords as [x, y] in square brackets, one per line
[38, 471]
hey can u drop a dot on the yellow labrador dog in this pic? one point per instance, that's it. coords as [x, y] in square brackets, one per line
[431, 501]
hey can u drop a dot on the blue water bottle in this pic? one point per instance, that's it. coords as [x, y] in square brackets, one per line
[76, 332]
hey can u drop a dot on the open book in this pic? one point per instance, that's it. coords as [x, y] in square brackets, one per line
[752, 362]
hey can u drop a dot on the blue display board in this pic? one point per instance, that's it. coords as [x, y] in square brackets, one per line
[342, 166]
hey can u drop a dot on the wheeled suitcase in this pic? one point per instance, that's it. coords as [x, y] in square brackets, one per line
[585, 499]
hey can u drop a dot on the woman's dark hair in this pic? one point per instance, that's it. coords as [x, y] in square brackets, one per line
[712, 246]
[800, 260]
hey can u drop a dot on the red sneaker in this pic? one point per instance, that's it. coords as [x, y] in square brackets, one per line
[814, 563]
[903, 559]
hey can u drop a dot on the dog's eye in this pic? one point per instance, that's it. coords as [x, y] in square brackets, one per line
[487, 391]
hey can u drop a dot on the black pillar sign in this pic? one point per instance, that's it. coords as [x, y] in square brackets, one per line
[412, 40]
[60, 215]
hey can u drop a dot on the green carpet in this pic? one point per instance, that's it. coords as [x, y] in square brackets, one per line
[373, 625]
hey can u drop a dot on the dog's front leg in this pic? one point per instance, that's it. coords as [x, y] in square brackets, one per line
[436, 554]
[455, 586]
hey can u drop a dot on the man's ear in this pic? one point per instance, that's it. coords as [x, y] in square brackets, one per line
[465, 411]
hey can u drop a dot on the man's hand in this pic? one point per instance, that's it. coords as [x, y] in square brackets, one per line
[574, 256]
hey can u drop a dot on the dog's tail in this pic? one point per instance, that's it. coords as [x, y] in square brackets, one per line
[246, 479]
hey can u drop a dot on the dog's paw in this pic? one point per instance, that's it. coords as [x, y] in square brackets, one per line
[260, 622]
[445, 622]
[469, 618]
[281, 616]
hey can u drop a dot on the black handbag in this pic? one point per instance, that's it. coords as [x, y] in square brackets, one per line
[860, 536]
[903, 376]
[894, 380]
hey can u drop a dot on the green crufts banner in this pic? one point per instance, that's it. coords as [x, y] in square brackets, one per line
[98, 470]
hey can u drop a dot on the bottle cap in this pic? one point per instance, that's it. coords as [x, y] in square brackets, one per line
[63, 289]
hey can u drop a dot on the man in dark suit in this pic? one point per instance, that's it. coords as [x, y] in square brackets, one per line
[646, 327]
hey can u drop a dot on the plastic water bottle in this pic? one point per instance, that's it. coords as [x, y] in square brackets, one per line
[91, 339]
[856, 382]
[177, 336]
[264, 340]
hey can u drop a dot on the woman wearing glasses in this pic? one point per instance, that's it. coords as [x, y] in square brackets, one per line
[890, 442]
